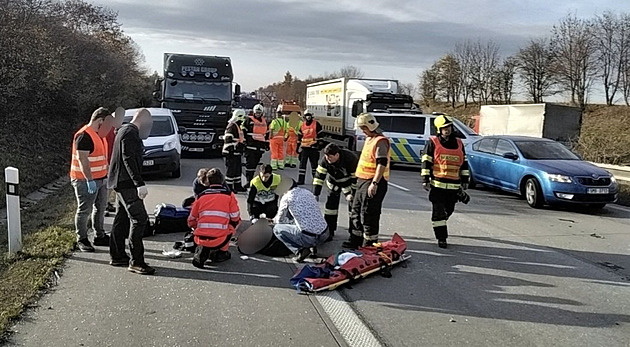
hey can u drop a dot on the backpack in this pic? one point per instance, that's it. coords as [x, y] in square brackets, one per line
[171, 219]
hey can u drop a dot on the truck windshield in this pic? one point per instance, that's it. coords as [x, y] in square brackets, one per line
[202, 91]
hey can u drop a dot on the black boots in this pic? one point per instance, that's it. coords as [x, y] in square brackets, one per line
[442, 243]
[353, 242]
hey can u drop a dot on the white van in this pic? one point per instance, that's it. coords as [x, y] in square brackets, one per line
[162, 150]
[410, 132]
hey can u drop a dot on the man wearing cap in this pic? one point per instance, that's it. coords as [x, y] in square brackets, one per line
[88, 172]
[299, 223]
[372, 176]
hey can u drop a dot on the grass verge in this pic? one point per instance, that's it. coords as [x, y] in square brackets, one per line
[49, 238]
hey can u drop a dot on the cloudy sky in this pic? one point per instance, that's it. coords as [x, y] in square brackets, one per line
[385, 39]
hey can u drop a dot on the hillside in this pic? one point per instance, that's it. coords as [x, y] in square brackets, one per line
[605, 135]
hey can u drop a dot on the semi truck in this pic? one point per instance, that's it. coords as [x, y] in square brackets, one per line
[198, 91]
[557, 122]
[336, 103]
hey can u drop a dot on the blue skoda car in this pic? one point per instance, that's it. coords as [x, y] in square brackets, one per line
[542, 170]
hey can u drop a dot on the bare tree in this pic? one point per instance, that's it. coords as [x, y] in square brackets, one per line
[408, 89]
[503, 81]
[534, 66]
[464, 53]
[448, 78]
[484, 66]
[428, 86]
[351, 71]
[574, 62]
[612, 35]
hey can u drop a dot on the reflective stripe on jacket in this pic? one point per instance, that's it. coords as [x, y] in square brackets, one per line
[266, 194]
[214, 216]
[260, 128]
[97, 159]
[309, 133]
[366, 169]
[447, 162]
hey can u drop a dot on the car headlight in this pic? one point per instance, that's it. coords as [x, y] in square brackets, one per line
[169, 145]
[613, 180]
[559, 178]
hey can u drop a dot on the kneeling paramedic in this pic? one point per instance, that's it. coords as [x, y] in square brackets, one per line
[299, 223]
[337, 170]
[214, 217]
[445, 173]
[262, 197]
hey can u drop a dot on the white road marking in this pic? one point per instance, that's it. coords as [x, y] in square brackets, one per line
[347, 322]
[399, 187]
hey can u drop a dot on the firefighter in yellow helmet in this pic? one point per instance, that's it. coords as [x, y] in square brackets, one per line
[372, 176]
[445, 173]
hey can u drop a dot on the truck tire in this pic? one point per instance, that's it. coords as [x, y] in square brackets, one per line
[533, 193]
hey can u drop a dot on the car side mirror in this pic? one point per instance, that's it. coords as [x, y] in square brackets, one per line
[181, 130]
[510, 155]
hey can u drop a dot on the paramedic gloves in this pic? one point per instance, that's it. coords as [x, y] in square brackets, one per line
[142, 192]
[91, 187]
[349, 197]
[425, 185]
[462, 196]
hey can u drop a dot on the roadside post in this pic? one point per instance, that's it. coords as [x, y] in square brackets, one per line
[14, 225]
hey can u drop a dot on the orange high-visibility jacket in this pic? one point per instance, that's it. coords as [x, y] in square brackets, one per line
[98, 157]
[366, 169]
[214, 216]
[309, 133]
[447, 162]
[260, 128]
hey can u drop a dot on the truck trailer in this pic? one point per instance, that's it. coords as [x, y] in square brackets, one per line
[557, 122]
[336, 103]
[198, 91]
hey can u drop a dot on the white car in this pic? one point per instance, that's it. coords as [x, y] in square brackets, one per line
[162, 150]
[409, 133]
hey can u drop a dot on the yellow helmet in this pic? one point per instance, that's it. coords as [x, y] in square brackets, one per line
[442, 121]
[366, 120]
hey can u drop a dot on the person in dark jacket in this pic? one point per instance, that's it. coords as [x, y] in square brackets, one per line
[445, 173]
[125, 178]
[336, 169]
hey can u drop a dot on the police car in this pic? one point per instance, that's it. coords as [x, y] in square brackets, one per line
[409, 133]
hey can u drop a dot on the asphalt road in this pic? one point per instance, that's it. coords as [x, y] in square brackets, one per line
[512, 276]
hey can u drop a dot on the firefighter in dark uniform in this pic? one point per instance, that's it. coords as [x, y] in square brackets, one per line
[337, 169]
[372, 176]
[445, 173]
[255, 131]
[234, 143]
[308, 147]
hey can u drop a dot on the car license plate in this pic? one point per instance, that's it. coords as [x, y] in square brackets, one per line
[597, 190]
[147, 163]
[195, 149]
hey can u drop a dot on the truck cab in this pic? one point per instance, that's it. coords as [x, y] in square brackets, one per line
[198, 91]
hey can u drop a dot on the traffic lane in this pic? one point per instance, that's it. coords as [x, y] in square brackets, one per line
[488, 291]
[601, 237]
[236, 303]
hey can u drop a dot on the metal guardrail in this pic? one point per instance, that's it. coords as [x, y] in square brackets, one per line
[621, 173]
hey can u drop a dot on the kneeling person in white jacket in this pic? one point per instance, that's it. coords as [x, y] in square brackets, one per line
[299, 223]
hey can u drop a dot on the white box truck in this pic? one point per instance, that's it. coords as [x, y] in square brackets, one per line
[336, 103]
[556, 122]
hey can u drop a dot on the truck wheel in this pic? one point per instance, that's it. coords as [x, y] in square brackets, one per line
[533, 193]
[177, 172]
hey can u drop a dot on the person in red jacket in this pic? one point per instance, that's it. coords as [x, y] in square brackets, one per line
[214, 217]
